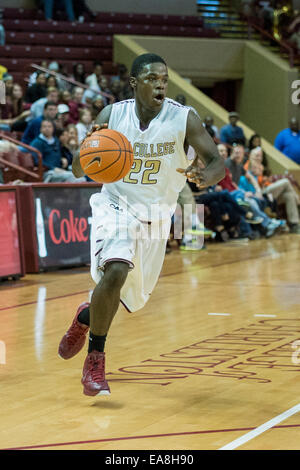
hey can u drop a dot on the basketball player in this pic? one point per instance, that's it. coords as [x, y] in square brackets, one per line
[126, 266]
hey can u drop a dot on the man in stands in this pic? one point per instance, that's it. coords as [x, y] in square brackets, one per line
[53, 159]
[232, 133]
[75, 104]
[288, 141]
[38, 106]
[38, 89]
[33, 127]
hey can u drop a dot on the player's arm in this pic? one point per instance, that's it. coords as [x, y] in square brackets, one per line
[206, 152]
[101, 121]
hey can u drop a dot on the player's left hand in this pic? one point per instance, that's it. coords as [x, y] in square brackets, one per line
[195, 175]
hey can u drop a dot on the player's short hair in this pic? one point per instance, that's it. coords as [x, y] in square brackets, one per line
[145, 59]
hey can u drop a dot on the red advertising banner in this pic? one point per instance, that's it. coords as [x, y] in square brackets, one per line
[62, 222]
[10, 250]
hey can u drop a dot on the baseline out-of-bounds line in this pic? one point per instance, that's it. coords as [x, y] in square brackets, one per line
[264, 427]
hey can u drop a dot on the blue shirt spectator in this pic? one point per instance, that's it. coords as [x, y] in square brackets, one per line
[34, 126]
[288, 141]
[232, 133]
[48, 145]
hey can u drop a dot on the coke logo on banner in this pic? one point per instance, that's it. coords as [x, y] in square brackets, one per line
[67, 230]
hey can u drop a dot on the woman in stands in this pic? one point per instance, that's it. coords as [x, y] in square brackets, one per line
[14, 112]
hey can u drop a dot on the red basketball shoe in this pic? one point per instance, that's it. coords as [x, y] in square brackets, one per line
[93, 375]
[74, 339]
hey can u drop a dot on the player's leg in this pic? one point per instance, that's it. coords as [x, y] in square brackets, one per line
[104, 305]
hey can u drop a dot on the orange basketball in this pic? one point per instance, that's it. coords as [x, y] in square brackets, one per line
[106, 156]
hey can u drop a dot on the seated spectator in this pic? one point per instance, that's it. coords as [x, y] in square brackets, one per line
[75, 105]
[84, 125]
[235, 162]
[65, 97]
[9, 83]
[97, 106]
[79, 74]
[66, 154]
[94, 78]
[209, 124]
[247, 199]
[282, 192]
[73, 144]
[232, 133]
[116, 89]
[38, 89]
[14, 112]
[33, 76]
[49, 146]
[288, 141]
[33, 127]
[38, 106]
[62, 118]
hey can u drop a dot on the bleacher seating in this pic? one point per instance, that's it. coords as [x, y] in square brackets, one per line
[30, 38]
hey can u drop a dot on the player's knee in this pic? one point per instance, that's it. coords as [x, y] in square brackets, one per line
[116, 273]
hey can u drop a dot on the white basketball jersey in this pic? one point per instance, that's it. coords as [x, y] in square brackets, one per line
[151, 188]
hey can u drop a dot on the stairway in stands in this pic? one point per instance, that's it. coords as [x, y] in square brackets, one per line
[219, 15]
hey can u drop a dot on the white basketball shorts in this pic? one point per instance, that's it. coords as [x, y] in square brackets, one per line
[117, 235]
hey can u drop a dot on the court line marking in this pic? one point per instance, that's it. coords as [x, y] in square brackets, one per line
[264, 427]
[263, 315]
[46, 300]
[112, 439]
[222, 314]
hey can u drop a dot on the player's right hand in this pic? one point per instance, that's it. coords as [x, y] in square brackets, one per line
[96, 127]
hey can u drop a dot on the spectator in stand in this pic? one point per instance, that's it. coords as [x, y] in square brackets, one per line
[65, 97]
[288, 141]
[282, 192]
[33, 127]
[79, 74]
[9, 82]
[246, 199]
[38, 89]
[51, 82]
[49, 146]
[84, 125]
[235, 162]
[14, 112]
[67, 5]
[82, 11]
[38, 106]
[33, 76]
[73, 144]
[75, 105]
[92, 81]
[232, 133]
[211, 128]
[62, 118]
[116, 89]
[66, 154]
[123, 76]
[97, 106]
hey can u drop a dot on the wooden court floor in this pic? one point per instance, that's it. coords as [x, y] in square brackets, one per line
[212, 362]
